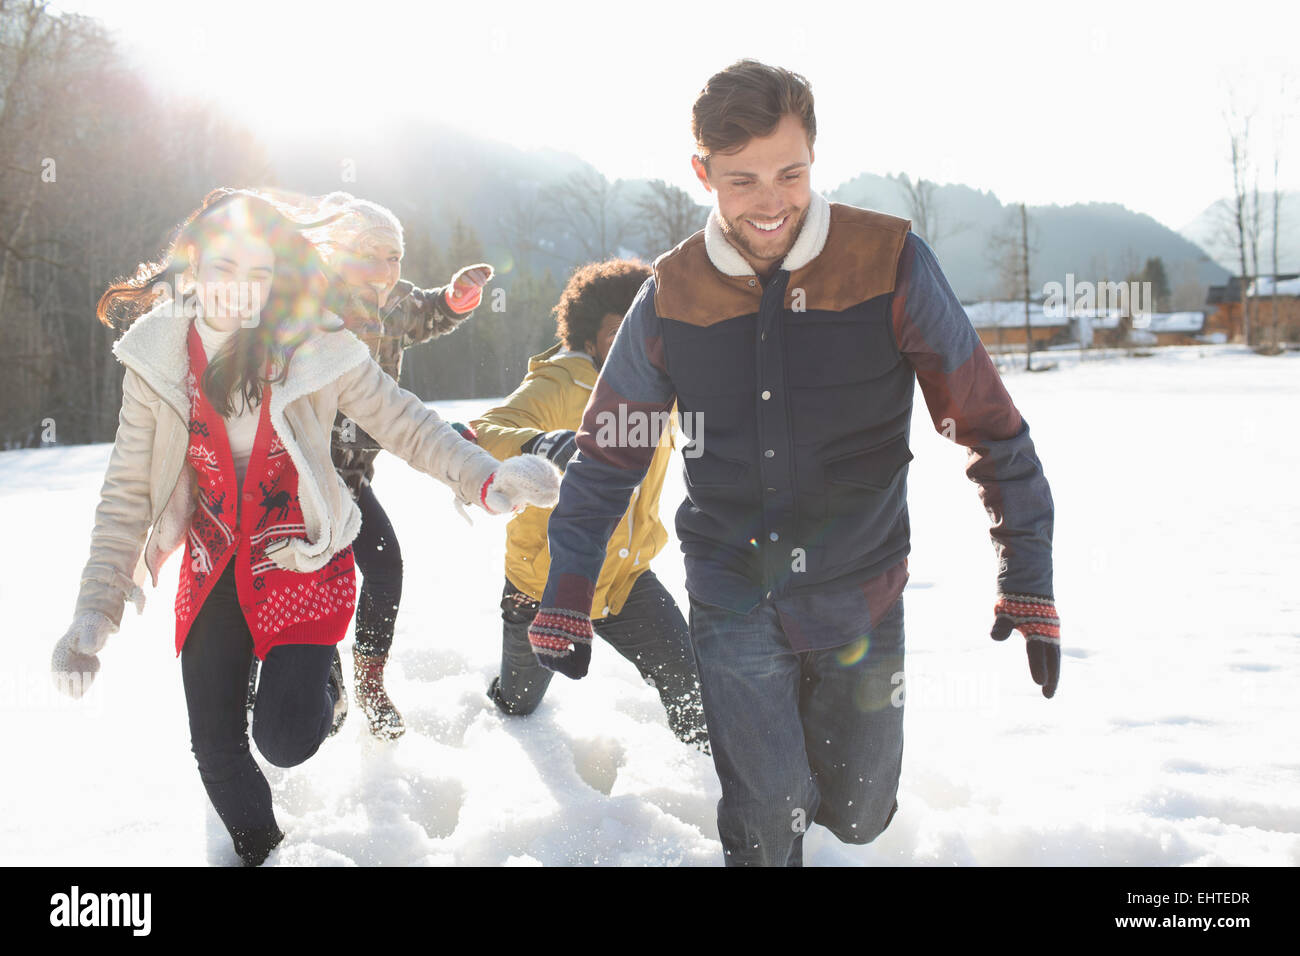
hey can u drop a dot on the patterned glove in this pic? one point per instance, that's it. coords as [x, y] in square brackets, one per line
[73, 665]
[466, 288]
[1036, 618]
[558, 446]
[561, 640]
[518, 482]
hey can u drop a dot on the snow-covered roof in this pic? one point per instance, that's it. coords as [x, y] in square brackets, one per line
[1101, 318]
[1009, 315]
[1264, 286]
[1171, 322]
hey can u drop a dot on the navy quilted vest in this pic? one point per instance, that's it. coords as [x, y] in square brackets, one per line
[805, 416]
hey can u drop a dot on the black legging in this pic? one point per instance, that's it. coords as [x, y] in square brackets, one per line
[293, 715]
[379, 558]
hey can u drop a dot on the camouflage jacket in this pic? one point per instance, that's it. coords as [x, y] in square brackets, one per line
[411, 316]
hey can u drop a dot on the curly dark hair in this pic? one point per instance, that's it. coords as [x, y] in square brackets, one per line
[593, 292]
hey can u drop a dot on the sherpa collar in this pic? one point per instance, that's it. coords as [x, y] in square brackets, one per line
[154, 347]
[812, 238]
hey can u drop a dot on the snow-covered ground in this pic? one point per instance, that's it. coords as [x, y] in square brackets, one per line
[1173, 738]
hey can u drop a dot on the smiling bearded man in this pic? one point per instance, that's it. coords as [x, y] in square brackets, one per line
[795, 330]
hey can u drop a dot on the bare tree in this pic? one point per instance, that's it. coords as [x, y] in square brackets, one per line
[1254, 224]
[1009, 253]
[585, 206]
[28, 34]
[522, 224]
[78, 208]
[667, 215]
[922, 207]
[1278, 133]
[1024, 251]
[1237, 212]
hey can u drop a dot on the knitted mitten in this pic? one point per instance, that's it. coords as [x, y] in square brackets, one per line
[521, 481]
[465, 291]
[561, 640]
[1036, 618]
[73, 665]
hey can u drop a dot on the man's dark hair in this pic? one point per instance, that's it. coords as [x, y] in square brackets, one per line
[746, 100]
[593, 292]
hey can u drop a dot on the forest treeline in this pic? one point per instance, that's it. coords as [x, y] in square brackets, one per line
[97, 166]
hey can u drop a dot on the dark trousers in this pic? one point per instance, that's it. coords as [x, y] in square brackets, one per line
[799, 737]
[649, 631]
[379, 558]
[293, 714]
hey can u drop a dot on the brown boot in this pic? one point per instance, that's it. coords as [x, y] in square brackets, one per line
[368, 685]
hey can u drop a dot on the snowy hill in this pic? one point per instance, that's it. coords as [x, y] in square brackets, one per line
[1211, 231]
[1094, 241]
[1172, 740]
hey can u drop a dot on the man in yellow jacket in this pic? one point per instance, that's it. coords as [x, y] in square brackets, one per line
[634, 611]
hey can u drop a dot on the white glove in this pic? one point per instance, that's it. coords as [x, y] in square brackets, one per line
[73, 665]
[521, 481]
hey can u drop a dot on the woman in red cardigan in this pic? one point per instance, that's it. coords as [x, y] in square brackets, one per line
[231, 389]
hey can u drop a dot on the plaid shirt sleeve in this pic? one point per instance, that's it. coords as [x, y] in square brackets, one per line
[430, 316]
[969, 405]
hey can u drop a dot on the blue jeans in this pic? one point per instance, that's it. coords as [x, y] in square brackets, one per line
[798, 737]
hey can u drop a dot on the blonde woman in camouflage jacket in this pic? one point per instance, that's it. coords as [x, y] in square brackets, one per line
[389, 315]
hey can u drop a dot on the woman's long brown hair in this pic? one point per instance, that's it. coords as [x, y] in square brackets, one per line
[302, 288]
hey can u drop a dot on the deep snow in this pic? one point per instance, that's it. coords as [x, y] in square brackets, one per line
[1172, 740]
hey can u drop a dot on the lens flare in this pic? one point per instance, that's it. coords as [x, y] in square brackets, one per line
[854, 652]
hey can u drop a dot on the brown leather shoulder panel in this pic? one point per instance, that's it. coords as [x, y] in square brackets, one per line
[858, 262]
[689, 288]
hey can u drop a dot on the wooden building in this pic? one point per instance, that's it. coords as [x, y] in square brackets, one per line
[1001, 327]
[1226, 317]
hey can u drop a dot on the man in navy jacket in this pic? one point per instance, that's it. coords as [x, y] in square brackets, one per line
[793, 330]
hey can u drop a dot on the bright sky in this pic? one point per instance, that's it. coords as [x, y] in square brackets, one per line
[1042, 103]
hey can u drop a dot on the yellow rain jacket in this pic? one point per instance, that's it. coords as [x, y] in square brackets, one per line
[552, 396]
